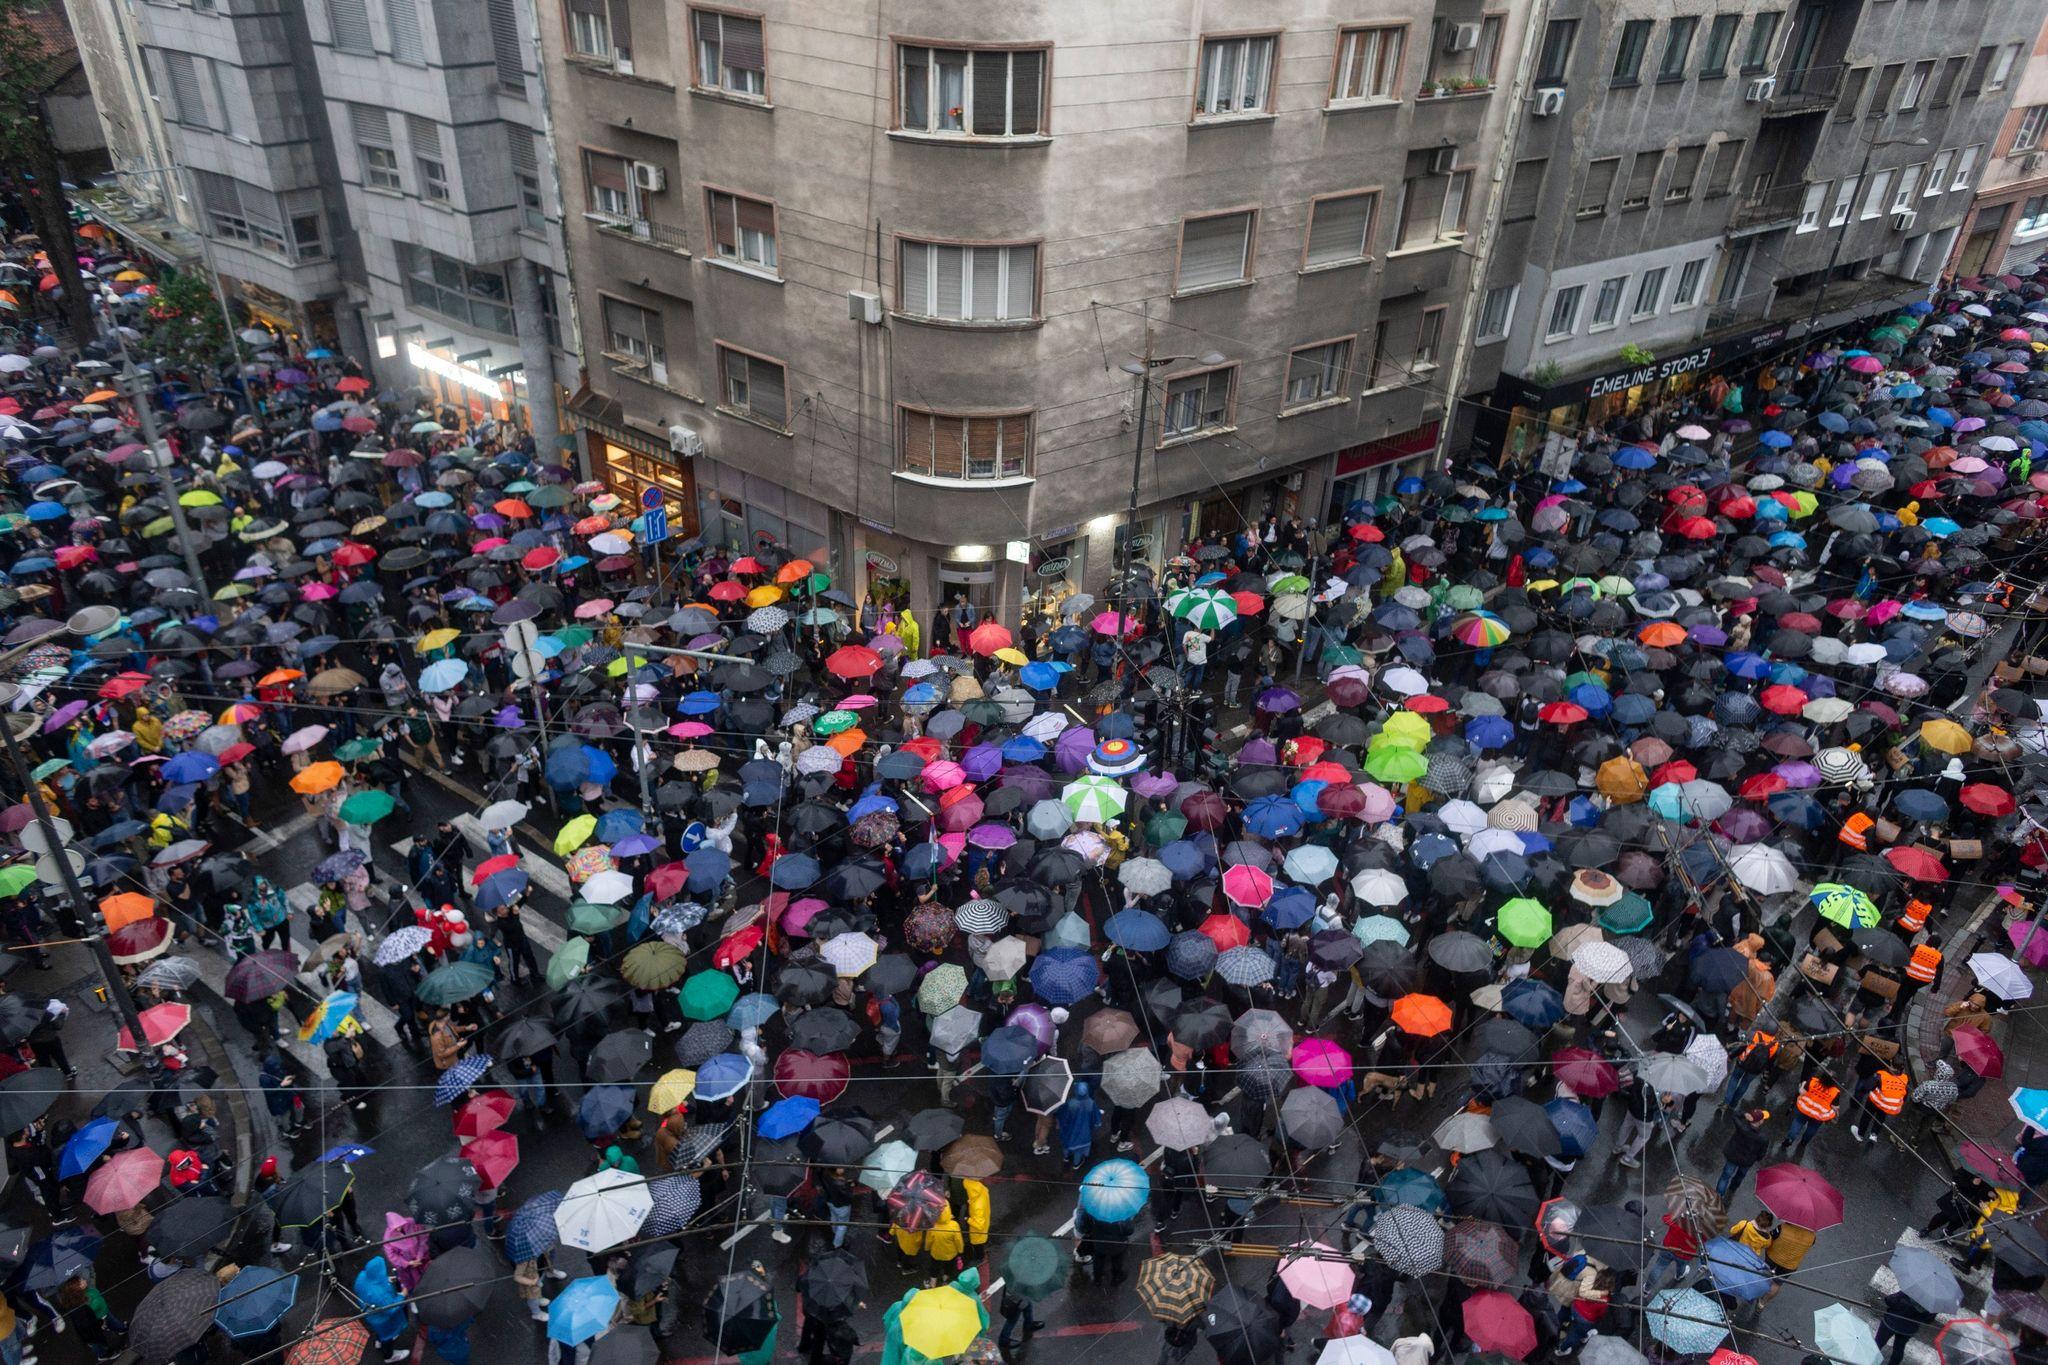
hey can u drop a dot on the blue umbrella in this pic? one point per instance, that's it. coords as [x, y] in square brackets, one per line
[530, 1232]
[1008, 1050]
[1489, 732]
[1687, 1321]
[787, 1118]
[615, 825]
[723, 1076]
[1577, 1129]
[191, 766]
[255, 1301]
[708, 868]
[1290, 908]
[1039, 677]
[1750, 666]
[339, 1006]
[676, 1201]
[1273, 817]
[1635, 457]
[347, 1152]
[1776, 440]
[700, 703]
[602, 767]
[582, 1309]
[1531, 1002]
[1183, 858]
[1139, 931]
[605, 1109]
[1406, 1185]
[1917, 803]
[1062, 976]
[442, 674]
[793, 872]
[1736, 1270]
[567, 767]
[921, 862]
[1115, 1191]
[752, 1011]
[47, 511]
[87, 1145]
[457, 1080]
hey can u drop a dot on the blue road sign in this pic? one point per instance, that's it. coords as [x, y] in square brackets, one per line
[650, 498]
[655, 525]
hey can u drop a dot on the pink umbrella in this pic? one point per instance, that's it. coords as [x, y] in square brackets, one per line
[1318, 1276]
[1379, 803]
[1248, 886]
[1865, 364]
[1112, 622]
[859, 701]
[796, 920]
[1321, 1062]
[595, 607]
[942, 775]
[2036, 953]
[160, 1024]
[319, 592]
[405, 1247]
[494, 1155]
[299, 741]
[124, 1180]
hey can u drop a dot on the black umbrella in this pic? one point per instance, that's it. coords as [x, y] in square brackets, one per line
[27, 1095]
[456, 1287]
[443, 1192]
[823, 1029]
[740, 1313]
[189, 1228]
[525, 1037]
[1236, 1163]
[1523, 1126]
[619, 1057]
[834, 1284]
[173, 1316]
[838, 1139]
[1492, 1185]
[1241, 1328]
[1618, 1235]
[931, 1129]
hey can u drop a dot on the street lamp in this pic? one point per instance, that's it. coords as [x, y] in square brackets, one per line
[1142, 367]
[1842, 233]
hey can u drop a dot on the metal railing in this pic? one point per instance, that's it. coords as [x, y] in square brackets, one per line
[1745, 307]
[1778, 203]
[1806, 90]
[645, 230]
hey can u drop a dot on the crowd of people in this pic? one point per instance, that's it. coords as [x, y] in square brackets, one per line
[1318, 891]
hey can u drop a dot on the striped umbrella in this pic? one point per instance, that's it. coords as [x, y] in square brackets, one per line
[1481, 630]
[1207, 608]
[1175, 1288]
[1093, 799]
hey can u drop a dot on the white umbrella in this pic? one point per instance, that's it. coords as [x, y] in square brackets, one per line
[2001, 976]
[1465, 1132]
[1004, 958]
[1602, 963]
[1145, 876]
[608, 887]
[1310, 864]
[502, 814]
[1404, 682]
[886, 1165]
[1378, 886]
[1493, 841]
[1709, 1056]
[1360, 1350]
[1763, 869]
[1462, 817]
[850, 954]
[603, 1210]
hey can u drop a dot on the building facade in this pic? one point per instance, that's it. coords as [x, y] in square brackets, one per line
[2009, 223]
[1700, 189]
[873, 285]
[367, 175]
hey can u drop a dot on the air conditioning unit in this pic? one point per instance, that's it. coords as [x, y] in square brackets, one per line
[1761, 90]
[1903, 220]
[649, 177]
[1461, 38]
[622, 61]
[2030, 163]
[862, 306]
[1549, 100]
[1444, 161]
[683, 441]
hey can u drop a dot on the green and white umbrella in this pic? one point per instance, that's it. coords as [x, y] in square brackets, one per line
[1089, 798]
[1203, 608]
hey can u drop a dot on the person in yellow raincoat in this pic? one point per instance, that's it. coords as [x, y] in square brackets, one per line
[912, 635]
[2001, 1204]
[1396, 574]
[944, 1242]
[909, 1243]
[148, 730]
[977, 1212]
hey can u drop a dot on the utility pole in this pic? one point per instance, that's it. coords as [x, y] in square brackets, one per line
[1142, 367]
[159, 455]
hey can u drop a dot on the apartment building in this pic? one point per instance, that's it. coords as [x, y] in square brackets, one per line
[1702, 188]
[2008, 225]
[879, 285]
[367, 175]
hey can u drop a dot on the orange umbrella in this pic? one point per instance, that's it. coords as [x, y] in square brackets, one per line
[1424, 1015]
[794, 570]
[126, 908]
[847, 742]
[101, 396]
[512, 507]
[1662, 634]
[318, 777]
[279, 675]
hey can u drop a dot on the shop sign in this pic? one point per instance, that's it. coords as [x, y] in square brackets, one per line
[1055, 568]
[1141, 542]
[881, 563]
[453, 371]
[1514, 391]
[1649, 374]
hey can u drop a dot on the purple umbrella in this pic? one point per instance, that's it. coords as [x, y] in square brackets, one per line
[509, 718]
[289, 375]
[1258, 751]
[1155, 784]
[1035, 783]
[992, 836]
[709, 641]
[982, 762]
[1279, 699]
[1798, 774]
[1072, 751]
[1744, 825]
[633, 845]
[64, 715]
[1035, 1020]
[488, 521]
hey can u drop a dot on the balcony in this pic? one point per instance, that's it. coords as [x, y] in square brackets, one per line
[1767, 208]
[1419, 269]
[1743, 309]
[1808, 90]
[644, 231]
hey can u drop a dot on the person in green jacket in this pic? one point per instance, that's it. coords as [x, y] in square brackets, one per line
[894, 1349]
[616, 1159]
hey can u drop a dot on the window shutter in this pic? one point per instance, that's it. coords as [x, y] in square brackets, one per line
[914, 288]
[259, 206]
[1726, 157]
[983, 433]
[1336, 230]
[185, 93]
[1526, 188]
[523, 159]
[1685, 172]
[1212, 250]
[949, 301]
[424, 136]
[768, 395]
[756, 216]
[743, 46]
[403, 18]
[605, 172]
[504, 21]
[371, 124]
[991, 93]
[724, 230]
[1017, 444]
[947, 440]
[1023, 300]
[350, 21]
[1599, 183]
[1027, 91]
[1642, 174]
[988, 264]
[620, 16]
[220, 192]
[917, 440]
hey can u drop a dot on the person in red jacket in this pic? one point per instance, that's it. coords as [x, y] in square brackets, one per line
[1675, 1260]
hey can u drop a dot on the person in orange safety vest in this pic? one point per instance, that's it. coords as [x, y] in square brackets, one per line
[1882, 1095]
[1812, 1111]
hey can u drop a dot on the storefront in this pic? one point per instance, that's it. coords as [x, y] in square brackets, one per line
[1054, 569]
[1365, 472]
[473, 387]
[741, 513]
[630, 464]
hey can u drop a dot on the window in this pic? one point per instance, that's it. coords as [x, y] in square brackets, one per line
[1486, 57]
[943, 445]
[2033, 121]
[730, 54]
[1810, 206]
[1236, 76]
[1369, 64]
[1419, 216]
[507, 55]
[1599, 186]
[433, 178]
[2033, 217]
[1945, 88]
[1685, 172]
[188, 89]
[979, 92]
[2001, 67]
[379, 155]
[1677, 47]
[1497, 312]
[1916, 85]
[474, 296]
[1457, 192]
[743, 230]
[1909, 184]
[1980, 70]
[1649, 293]
[533, 211]
[1564, 312]
[635, 335]
[1628, 53]
[1197, 403]
[610, 181]
[1607, 302]
[1763, 30]
[1339, 229]
[1316, 373]
[1690, 276]
[755, 386]
[255, 217]
[1878, 196]
[1727, 156]
[1556, 53]
[1429, 339]
[1214, 250]
[1525, 189]
[1720, 42]
[428, 163]
[1854, 82]
[1937, 174]
[349, 23]
[968, 283]
[590, 32]
[402, 18]
[1966, 166]
[1845, 200]
[1887, 82]
[1642, 178]
[307, 234]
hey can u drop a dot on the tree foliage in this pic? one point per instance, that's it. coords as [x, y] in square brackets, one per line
[28, 69]
[186, 323]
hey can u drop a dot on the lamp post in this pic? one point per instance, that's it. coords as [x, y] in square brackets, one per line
[1142, 367]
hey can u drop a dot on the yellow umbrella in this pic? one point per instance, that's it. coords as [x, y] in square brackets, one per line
[1009, 654]
[1945, 735]
[435, 639]
[575, 834]
[765, 595]
[231, 591]
[940, 1322]
[671, 1090]
[1406, 729]
[199, 497]
[131, 276]
[1622, 780]
[160, 527]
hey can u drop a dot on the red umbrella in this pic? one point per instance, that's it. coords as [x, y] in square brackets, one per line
[1205, 810]
[1496, 1322]
[487, 1113]
[821, 1076]
[1783, 699]
[1562, 712]
[738, 947]
[541, 557]
[1995, 1166]
[727, 590]
[1585, 1071]
[853, 661]
[1800, 1196]
[1985, 798]
[1972, 1341]
[988, 637]
[1979, 1052]
[668, 879]
[160, 1023]
[494, 1155]
[491, 867]
[124, 1180]
[1916, 863]
[1226, 931]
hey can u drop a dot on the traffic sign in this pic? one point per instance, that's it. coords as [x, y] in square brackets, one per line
[655, 525]
[650, 498]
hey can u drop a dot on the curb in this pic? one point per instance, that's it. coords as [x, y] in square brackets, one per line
[215, 1052]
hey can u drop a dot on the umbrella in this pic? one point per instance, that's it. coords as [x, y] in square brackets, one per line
[1800, 1196]
[1841, 1336]
[1493, 1186]
[941, 1321]
[174, 1315]
[1174, 1288]
[740, 1313]
[456, 1286]
[1320, 1276]
[1495, 1321]
[836, 1282]
[1408, 1239]
[1687, 1321]
[255, 1301]
[582, 1309]
[603, 1210]
[1926, 1279]
[1115, 1190]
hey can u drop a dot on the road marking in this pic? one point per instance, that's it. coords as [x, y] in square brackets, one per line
[746, 1231]
[271, 840]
